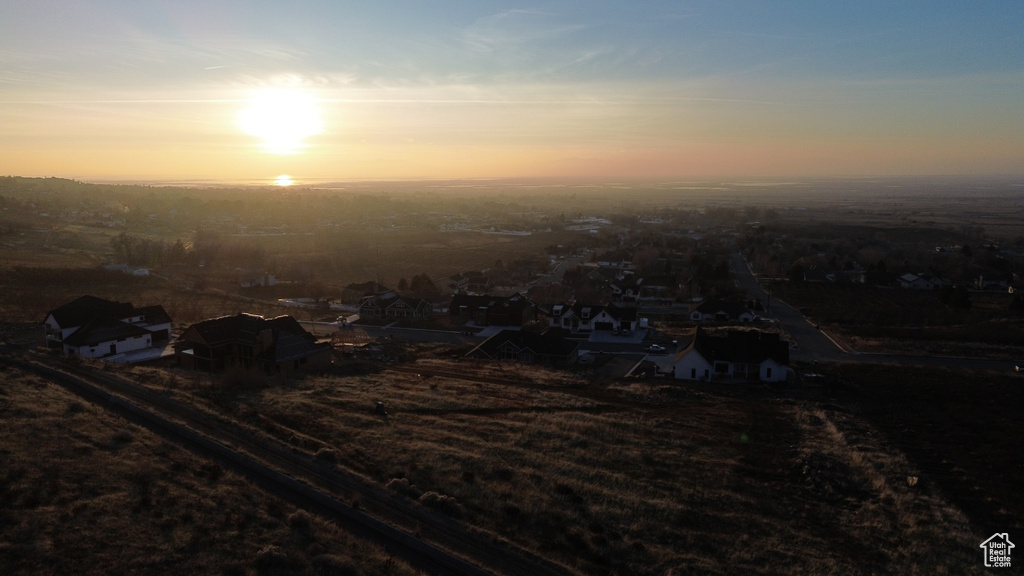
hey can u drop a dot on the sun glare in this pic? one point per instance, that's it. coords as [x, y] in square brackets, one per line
[283, 180]
[282, 119]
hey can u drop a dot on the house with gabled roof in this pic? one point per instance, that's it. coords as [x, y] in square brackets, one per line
[923, 281]
[485, 310]
[354, 293]
[389, 305]
[274, 345]
[578, 317]
[92, 327]
[717, 310]
[739, 354]
[626, 288]
[527, 346]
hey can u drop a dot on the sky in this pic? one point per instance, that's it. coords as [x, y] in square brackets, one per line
[248, 91]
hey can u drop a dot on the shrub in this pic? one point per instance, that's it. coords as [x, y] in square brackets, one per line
[404, 487]
[272, 561]
[301, 522]
[444, 504]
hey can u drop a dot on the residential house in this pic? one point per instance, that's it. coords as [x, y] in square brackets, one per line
[93, 327]
[626, 288]
[717, 310]
[658, 289]
[578, 317]
[473, 281]
[389, 305]
[527, 346]
[354, 293]
[484, 310]
[275, 345]
[740, 354]
[924, 281]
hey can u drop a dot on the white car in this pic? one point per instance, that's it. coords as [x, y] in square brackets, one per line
[656, 348]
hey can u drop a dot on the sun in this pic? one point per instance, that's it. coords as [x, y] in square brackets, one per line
[282, 119]
[283, 180]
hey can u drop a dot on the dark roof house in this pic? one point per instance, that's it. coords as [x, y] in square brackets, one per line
[390, 305]
[745, 354]
[93, 327]
[527, 346]
[717, 310]
[278, 344]
[484, 310]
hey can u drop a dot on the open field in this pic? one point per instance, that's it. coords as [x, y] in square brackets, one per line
[85, 492]
[640, 478]
[910, 321]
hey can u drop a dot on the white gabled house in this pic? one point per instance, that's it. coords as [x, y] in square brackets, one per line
[739, 354]
[577, 317]
[92, 327]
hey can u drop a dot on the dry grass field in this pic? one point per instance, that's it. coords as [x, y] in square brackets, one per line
[85, 492]
[641, 478]
[910, 321]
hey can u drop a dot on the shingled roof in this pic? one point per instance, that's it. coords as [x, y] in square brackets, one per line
[85, 309]
[244, 328]
[104, 330]
[746, 346]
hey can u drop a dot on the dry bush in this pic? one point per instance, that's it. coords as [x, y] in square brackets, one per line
[445, 504]
[404, 487]
[274, 561]
[301, 523]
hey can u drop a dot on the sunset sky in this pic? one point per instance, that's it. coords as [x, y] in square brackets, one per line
[230, 90]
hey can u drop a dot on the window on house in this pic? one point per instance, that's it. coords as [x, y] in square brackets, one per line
[768, 373]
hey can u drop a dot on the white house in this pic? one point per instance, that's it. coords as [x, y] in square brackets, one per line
[107, 337]
[920, 282]
[92, 327]
[740, 354]
[577, 317]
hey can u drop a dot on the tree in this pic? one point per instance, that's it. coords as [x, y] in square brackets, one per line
[423, 286]
[125, 246]
[796, 273]
[403, 285]
[176, 253]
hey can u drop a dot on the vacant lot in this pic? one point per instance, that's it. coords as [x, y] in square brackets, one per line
[84, 492]
[636, 478]
[911, 321]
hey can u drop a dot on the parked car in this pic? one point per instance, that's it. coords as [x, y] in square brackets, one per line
[656, 348]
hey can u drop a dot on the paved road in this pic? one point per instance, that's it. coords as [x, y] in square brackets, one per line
[813, 345]
[809, 342]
